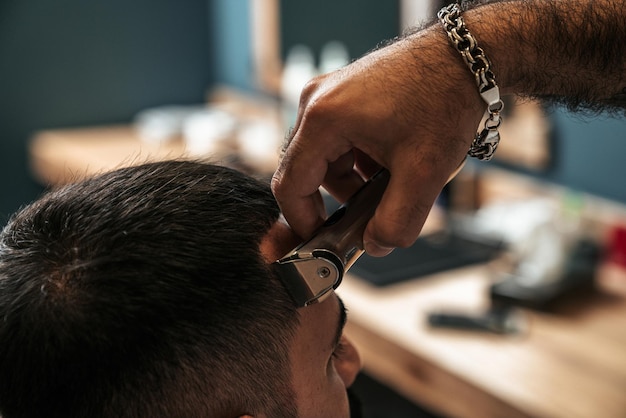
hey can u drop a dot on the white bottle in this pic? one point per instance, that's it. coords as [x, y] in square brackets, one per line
[299, 69]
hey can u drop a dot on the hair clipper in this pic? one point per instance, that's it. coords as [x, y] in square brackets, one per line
[317, 266]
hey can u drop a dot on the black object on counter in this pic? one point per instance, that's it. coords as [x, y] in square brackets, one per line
[578, 275]
[430, 254]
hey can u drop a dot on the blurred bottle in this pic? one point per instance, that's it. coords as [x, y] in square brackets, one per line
[299, 68]
[333, 56]
[546, 251]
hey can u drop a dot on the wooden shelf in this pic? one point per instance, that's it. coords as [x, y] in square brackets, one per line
[62, 156]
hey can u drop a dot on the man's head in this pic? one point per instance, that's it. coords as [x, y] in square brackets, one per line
[147, 292]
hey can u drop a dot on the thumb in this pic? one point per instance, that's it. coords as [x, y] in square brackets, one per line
[401, 213]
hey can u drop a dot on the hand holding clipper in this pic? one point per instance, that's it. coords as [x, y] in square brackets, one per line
[317, 266]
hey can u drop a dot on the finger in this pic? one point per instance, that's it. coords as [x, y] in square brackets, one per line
[403, 209]
[300, 173]
[296, 188]
[365, 165]
[341, 179]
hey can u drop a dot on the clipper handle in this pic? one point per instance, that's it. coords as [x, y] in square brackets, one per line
[342, 233]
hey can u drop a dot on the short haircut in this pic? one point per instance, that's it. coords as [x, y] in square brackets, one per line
[142, 292]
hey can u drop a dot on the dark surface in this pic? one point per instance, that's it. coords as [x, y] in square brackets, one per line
[430, 254]
[379, 401]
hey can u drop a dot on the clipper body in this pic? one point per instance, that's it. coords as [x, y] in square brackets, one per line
[317, 266]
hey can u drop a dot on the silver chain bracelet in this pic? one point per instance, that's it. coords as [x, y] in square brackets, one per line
[486, 141]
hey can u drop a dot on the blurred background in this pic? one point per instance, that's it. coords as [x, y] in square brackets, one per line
[87, 86]
[72, 64]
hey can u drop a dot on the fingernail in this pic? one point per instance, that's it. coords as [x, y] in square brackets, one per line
[376, 250]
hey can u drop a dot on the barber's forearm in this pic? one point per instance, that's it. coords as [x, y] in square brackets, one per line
[572, 51]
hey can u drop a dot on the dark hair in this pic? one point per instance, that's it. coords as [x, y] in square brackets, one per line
[142, 292]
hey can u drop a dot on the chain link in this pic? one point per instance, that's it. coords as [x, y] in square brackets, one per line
[486, 141]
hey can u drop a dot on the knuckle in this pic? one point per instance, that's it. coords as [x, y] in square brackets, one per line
[309, 89]
[314, 86]
[318, 101]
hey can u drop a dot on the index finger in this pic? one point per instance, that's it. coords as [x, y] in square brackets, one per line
[295, 185]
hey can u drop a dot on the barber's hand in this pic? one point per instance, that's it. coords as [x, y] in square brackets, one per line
[411, 107]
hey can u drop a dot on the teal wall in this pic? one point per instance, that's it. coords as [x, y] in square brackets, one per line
[360, 24]
[75, 63]
[230, 39]
[589, 153]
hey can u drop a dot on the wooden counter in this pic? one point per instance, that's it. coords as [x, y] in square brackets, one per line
[569, 363]
[61, 156]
